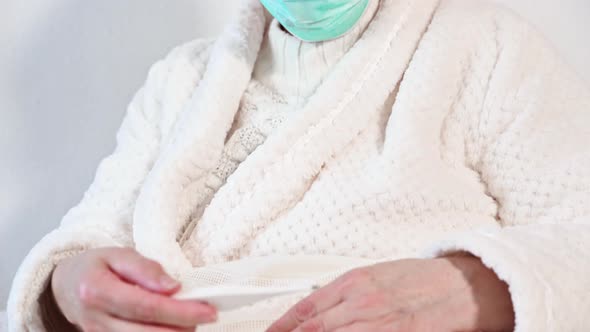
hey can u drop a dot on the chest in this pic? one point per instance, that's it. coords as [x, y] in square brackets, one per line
[364, 202]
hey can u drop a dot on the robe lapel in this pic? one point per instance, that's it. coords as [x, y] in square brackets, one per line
[165, 200]
[278, 173]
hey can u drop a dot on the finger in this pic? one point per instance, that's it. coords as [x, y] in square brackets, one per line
[306, 309]
[134, 303]
[362, 327]
[320, 301]
[366, 308]
[114, 324]
[133, 267]
[400, 321]
[390, 322]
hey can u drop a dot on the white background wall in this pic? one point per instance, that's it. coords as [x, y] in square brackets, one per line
[68, 68]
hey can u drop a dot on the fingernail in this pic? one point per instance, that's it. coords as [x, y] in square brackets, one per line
[210, 313]
[168, 282]
[213, 317]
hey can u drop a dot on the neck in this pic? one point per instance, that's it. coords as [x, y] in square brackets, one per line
[294, 68]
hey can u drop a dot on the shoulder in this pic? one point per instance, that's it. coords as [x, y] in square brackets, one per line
[179, 71]
[474, 12]
[481, 21]
[171, 81]
[489, 38]
[186, 60]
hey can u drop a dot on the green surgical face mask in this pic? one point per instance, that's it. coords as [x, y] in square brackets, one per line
[317, 20]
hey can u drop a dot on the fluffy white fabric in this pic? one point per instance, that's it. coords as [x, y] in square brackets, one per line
[286, 73]
[448, 126]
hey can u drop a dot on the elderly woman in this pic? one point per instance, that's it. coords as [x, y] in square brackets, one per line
[424, 161]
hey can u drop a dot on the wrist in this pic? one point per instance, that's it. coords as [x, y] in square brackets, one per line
[51, 314]
[491, 298]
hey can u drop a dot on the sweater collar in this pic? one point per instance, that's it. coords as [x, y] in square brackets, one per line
[294, 68]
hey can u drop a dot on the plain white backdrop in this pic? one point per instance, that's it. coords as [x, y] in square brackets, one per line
[68, 68]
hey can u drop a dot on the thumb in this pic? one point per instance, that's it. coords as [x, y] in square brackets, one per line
[129, 265]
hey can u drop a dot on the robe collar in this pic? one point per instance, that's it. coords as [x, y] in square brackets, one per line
[280, 170]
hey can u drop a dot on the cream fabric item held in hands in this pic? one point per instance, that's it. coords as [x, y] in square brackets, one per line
[226, 298]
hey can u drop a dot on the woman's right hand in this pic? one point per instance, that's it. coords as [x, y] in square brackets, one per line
[117, 289]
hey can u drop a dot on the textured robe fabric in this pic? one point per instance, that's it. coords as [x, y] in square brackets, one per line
[450, 126]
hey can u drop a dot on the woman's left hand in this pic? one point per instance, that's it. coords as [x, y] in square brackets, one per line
[455, 293]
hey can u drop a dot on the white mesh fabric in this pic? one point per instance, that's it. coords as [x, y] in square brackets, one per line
[266, 272]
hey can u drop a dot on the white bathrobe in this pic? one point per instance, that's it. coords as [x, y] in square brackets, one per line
[450, 126]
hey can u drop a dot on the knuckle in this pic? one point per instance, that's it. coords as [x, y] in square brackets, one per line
[356, 276]
[88, 294]
[359, 275]
[402, 312]
[350, 281]
[89, 289]
[313, 326]
[370, 301]
[91, 326]
[146, 310]
[409, 323]
[304, 310]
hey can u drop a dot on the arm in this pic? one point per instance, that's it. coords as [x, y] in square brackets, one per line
[532, 153]
[104, 216]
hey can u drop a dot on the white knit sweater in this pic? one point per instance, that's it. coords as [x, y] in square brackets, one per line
[450, 125]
